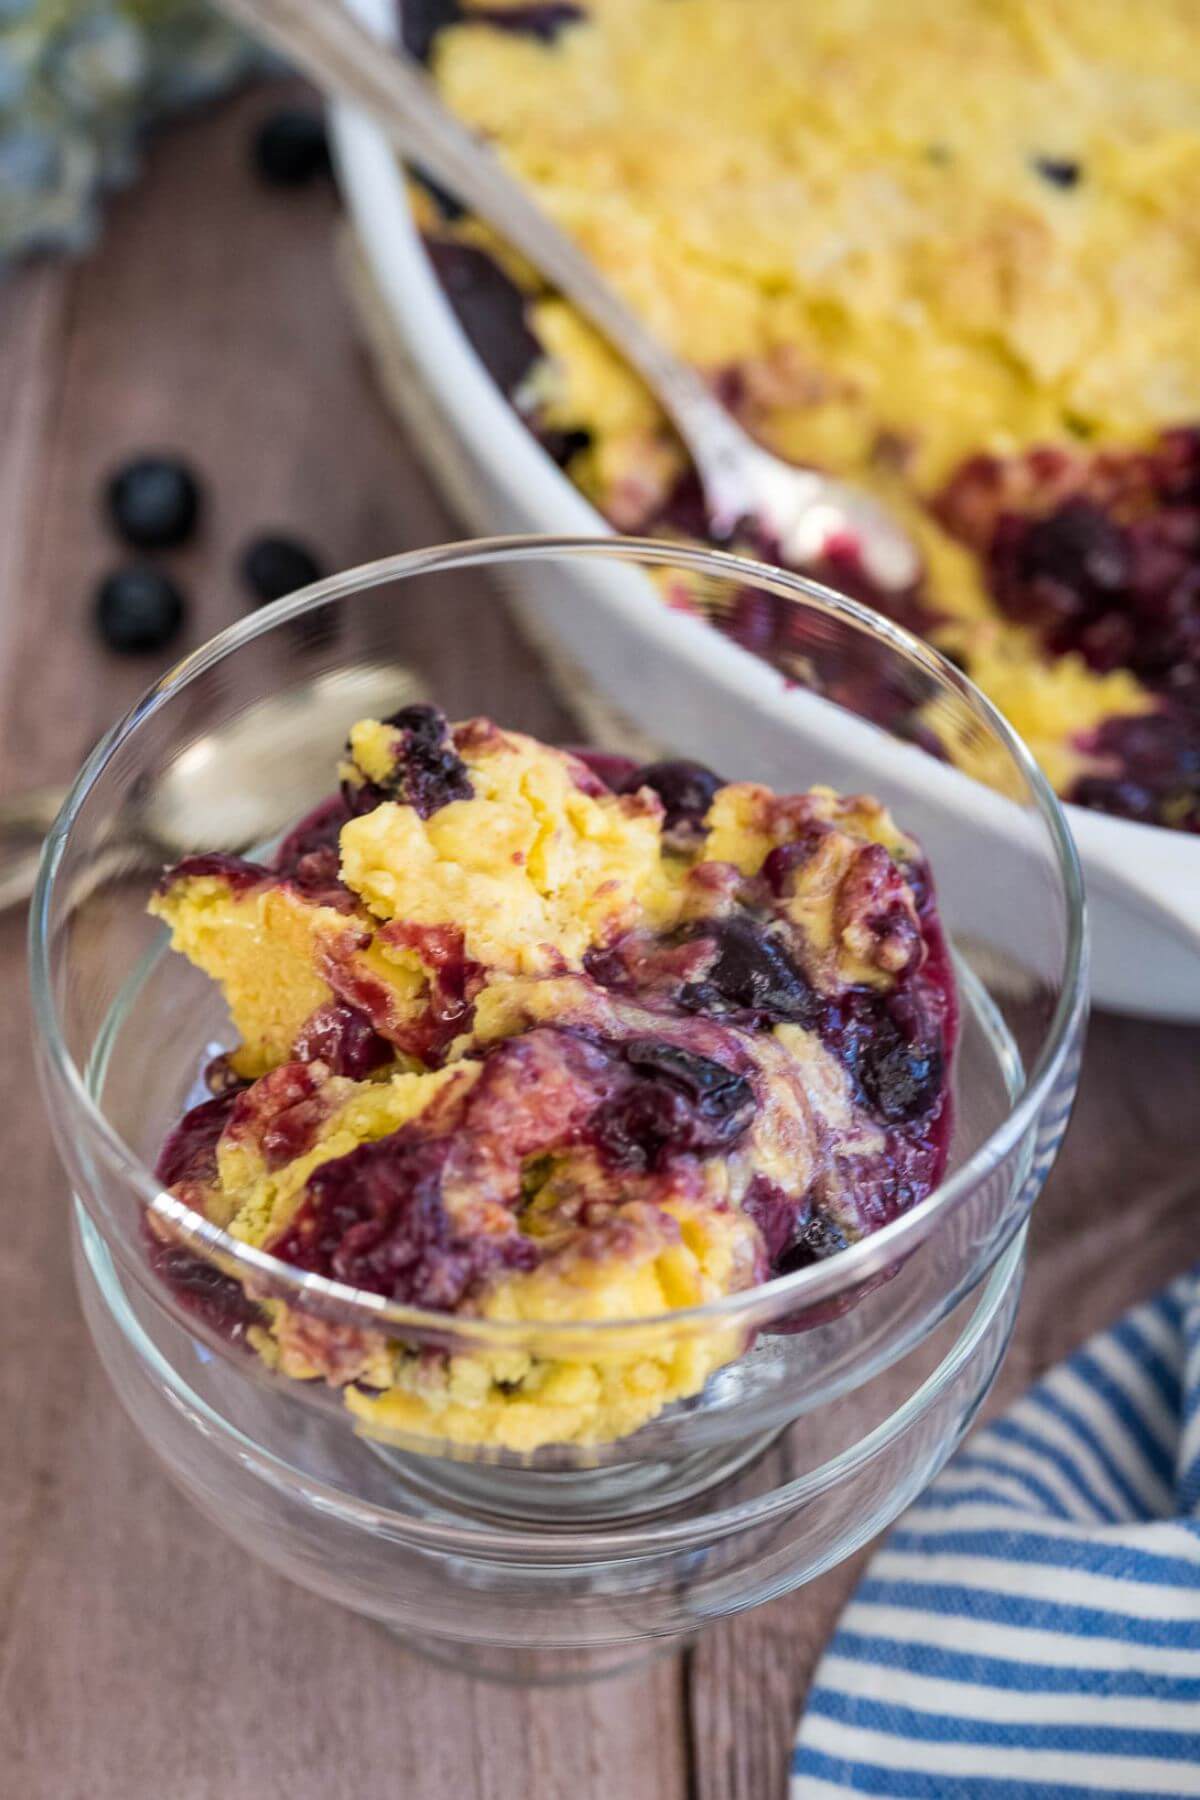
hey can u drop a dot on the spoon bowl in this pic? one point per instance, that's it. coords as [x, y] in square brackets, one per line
[291, 741]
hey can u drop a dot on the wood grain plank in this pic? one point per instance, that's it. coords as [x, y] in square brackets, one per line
[141, 1653]
[1116, 1222]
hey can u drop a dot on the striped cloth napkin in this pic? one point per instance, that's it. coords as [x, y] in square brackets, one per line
[1032, 1626]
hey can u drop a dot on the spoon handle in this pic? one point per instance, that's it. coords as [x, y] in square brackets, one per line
[323, 39]
[24, 821]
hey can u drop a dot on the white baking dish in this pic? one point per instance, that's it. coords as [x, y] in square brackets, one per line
[1143, 882]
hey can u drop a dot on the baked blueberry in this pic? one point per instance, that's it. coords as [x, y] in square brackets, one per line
[490, 308]
[679, 1103]
[901, 1079]
[422, 20]
[427, 772]
[1059, 171]
[751, 976]
[685, 788]
[540, 19]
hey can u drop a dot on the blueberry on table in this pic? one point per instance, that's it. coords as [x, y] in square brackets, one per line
[291, 148]
[153, 501]
[275, 566]
[138, 608]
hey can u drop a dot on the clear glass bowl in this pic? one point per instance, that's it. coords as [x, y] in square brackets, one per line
[838, 1390]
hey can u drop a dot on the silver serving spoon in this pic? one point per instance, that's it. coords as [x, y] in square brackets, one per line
[204, 801]
[799, 511]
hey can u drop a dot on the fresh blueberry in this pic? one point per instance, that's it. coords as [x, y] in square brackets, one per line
[153, 501]
[275, 566]
[291, 148]
[138, 608]
[686, 789]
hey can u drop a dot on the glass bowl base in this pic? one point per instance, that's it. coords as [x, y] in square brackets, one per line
[565, 1666]
[404, 1540]
[573, 1498]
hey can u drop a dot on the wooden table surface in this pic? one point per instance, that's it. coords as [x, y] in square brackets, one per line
[141, 1654]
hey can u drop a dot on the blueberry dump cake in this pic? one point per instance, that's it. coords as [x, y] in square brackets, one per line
[526, 1036]
[950, 250]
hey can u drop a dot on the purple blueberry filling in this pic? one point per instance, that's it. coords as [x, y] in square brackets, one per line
[1158, 759]
[642, 1107]
[490, 308]
[781, 1217]
[611, 769]
[376, 1219]
[202, 1290]
[428, 772]
[187, 1163]
[750, 977]
[344, 1039]
[315, 835]
[1111, 570]
[189, 1155]
[730, 968]
[239, 874]
[686, 790]
[422, 20]
[540, 19]
[678, 1103]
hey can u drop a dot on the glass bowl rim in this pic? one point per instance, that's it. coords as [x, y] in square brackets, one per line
[490, 1538]
[803, 1287]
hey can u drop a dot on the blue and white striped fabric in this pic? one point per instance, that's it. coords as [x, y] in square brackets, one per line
[1032, 1626]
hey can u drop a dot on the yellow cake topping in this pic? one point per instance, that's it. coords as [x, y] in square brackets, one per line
[517, 1048]
[899, 239]
[531, 869]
